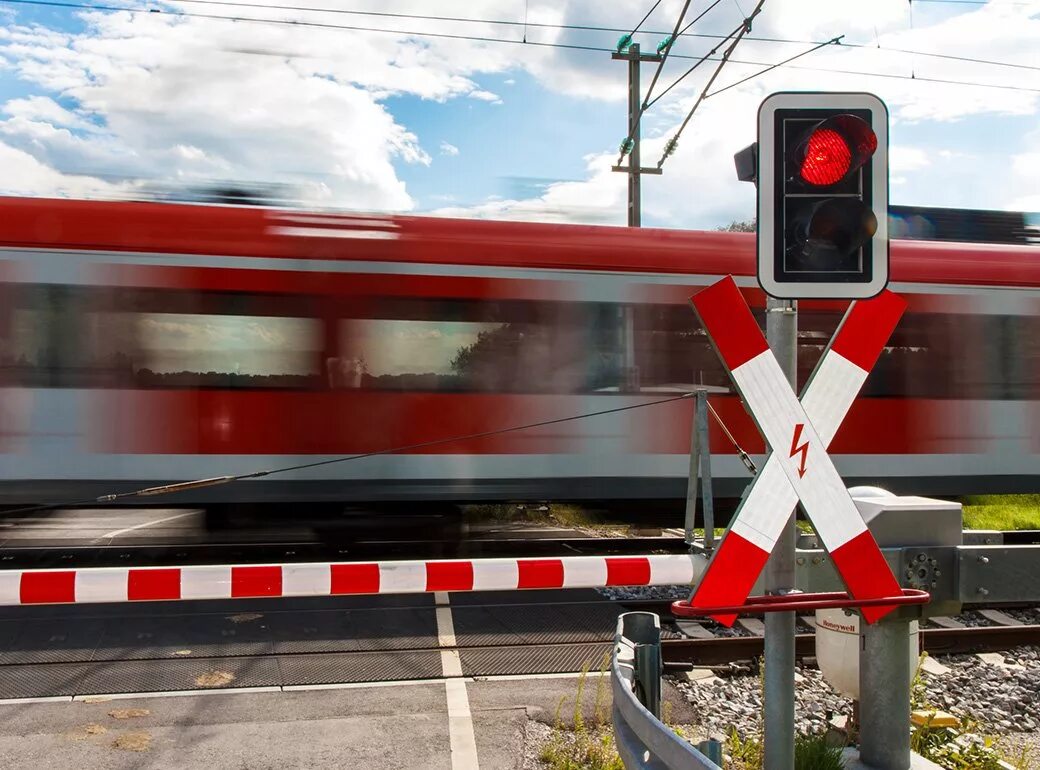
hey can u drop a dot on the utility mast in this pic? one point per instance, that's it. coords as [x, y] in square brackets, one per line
[632, 55]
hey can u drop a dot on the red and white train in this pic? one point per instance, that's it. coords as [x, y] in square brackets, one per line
[143, 343]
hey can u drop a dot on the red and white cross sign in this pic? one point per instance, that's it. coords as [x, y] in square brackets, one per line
[799, 433]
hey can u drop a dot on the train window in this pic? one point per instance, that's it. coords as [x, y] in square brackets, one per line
[672, 352]
[72, 336]
[182, 350]
[449, 344]
[23, 335]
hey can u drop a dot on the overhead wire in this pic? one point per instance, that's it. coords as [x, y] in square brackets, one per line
[513, 23]
[832, 41]
[217, 480]
[488, 39]
[626, 145]
[672, 143]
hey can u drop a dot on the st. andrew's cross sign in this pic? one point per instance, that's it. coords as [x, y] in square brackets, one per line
[799, 433]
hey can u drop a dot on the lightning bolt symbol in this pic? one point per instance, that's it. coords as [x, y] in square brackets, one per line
[803, 449]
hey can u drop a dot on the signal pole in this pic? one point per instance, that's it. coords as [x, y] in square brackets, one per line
[635, 104]
[779, 685]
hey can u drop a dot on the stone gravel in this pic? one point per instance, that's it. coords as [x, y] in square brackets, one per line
[1027, 615]
[635, 593]
[736, 701]
[1003, 698]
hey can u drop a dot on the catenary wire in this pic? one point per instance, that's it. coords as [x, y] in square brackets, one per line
[216, 480]
[647, 16]
[834, 41]
[657, 74]
[512, 23]
[671, 144]
[477, 38]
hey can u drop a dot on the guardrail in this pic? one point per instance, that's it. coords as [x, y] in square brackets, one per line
[643, 740]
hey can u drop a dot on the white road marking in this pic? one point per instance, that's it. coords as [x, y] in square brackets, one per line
[298, 688]
[118, 532]
[169, 694]
[461, 737]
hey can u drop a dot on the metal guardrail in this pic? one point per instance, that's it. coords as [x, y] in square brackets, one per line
[643, 740]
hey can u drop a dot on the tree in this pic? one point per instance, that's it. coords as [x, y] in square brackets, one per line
[746, 226]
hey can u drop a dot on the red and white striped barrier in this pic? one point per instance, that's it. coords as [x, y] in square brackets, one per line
[799, 433]
[143, 584]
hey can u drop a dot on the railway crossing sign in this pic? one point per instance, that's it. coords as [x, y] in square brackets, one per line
[799, 433]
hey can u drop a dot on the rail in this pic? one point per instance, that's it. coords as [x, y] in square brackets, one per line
[643, 740]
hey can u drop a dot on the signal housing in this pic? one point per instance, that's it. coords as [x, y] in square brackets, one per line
[823, 195]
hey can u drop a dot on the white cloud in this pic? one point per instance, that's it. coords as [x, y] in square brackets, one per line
[43, 108]
[25, 175]
[484, 96]
[902, 159]
[449, 149]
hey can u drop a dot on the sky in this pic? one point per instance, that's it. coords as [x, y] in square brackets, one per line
[463, 118]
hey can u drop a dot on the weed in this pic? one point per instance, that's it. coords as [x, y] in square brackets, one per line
[811, 752]
[744, 753]
[954, 748]
[582, 748]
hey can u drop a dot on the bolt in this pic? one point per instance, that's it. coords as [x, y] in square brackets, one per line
[817, 560]
[983, 591]
[937, 573]
[909, 573]
[983, 560]
[800, 560]
[921, 557]
[934, 584]
[933, 562]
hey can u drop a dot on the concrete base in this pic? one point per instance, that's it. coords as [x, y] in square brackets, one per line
[917, 762]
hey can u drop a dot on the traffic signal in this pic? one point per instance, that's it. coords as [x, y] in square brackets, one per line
[822, 170]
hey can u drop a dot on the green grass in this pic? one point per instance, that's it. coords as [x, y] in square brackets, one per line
[584, 746]
[1004, 512]
[811, 752]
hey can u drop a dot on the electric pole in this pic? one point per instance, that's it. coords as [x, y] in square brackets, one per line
[631, 144]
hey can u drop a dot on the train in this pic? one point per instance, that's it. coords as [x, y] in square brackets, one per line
[146, 343]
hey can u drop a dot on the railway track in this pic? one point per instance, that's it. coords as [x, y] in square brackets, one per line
[111, 649]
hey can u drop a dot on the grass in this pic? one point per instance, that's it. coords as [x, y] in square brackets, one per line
[584, 746]
[1003, 512]
[811, 752]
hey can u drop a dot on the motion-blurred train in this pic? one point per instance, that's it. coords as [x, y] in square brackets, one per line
[143, 343]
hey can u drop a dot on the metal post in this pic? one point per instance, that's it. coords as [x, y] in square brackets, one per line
[705, 453]
[695, 463]
[884, 695]
[634, 168]
[782, 334]
[648, 676]
[700, 466]
[634, 213]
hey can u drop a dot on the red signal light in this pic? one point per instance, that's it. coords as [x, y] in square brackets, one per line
[827, 158]
[834, 148]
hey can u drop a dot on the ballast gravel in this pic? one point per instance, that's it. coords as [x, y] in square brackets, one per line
[641, 593]
[1002, 697]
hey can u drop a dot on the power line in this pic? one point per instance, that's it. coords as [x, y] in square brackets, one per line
[479, 38]
[667, 48]
[833, 41]
[217, 480]
[643, 20]
[672, 143]
[543, 25]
